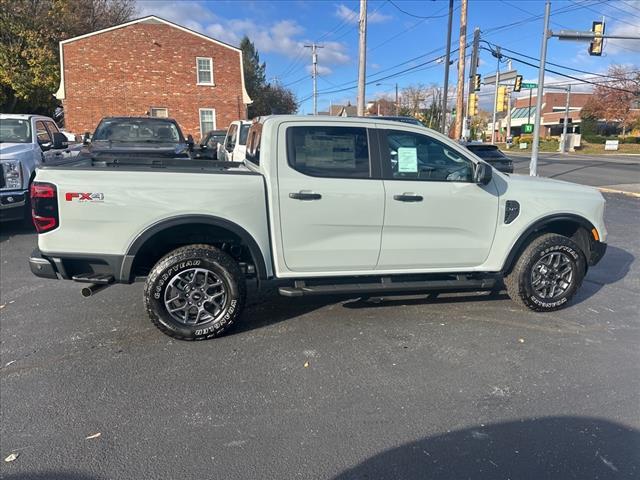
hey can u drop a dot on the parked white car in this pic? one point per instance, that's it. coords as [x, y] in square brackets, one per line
[26, 142]
[234, 147]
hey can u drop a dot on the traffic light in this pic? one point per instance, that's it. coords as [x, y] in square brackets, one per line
[518, 85]
[477, 81]
[595, 47]
[473, 104]
[502, 102]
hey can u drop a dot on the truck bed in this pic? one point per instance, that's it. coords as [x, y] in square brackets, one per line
[104, 206]
[146, 162]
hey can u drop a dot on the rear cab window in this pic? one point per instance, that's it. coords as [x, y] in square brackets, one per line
[254, 136]
[327, 151]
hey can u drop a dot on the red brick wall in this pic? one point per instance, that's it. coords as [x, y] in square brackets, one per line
[128, 70]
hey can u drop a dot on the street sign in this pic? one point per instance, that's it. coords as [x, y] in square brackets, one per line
[527, 128]
[529, 85]
[504, 76]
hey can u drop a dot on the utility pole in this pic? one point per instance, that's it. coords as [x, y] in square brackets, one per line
[446, 70]
[397, 104]
[533, 166]
[495, 98]
[362, 57]
[473, 68]
[461, 57]
[314, 74]
[563, 144]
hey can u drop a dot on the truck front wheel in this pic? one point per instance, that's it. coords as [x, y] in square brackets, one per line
[195, 292]
[547, 274]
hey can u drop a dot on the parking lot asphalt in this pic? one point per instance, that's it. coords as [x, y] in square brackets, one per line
[462, 386]
[617, 172]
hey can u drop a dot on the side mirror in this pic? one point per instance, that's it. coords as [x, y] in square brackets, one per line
[60, 141]
[86, 138]
[190, 142]
[483, 173]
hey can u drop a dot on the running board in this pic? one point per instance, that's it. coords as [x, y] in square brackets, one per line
[100, 279]
[386, 287]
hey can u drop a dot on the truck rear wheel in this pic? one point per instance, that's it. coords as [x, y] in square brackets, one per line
[547, 274]
[195, 292]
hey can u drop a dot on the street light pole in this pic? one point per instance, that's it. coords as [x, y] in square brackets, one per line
[563, 146]
[362, 57]
[533, 166]
[446, 70]
[495, 99]
[397, 104]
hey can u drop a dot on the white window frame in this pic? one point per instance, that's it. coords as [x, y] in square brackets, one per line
[200, 110]
[151, 109]
[198, 82]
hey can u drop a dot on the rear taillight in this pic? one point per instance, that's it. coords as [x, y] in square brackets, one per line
[44, 206]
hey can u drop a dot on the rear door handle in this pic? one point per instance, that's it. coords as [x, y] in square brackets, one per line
[408, 197]
[305, 196]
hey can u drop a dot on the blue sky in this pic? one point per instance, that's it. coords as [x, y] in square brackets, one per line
[398, 41]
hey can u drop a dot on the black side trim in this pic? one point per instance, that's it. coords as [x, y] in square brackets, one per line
[254, 249]
[539, 225]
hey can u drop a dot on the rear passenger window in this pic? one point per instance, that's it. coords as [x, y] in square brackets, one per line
[43, 134]
[338, 152]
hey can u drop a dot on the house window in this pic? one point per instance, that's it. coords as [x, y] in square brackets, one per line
[207, 121]
[159, 112]
[205, 70]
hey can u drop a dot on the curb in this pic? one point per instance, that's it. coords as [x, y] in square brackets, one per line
[622, 192]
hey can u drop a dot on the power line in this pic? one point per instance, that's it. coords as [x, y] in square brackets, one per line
[417, 16]
[554, 64]
[519, 60]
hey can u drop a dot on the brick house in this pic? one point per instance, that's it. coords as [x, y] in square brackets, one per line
[151, 66]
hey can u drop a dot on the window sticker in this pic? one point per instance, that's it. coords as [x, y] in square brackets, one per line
[407, 160]
[330, 151]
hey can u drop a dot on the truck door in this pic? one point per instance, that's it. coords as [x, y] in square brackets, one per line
[435, 215]
[229, 144]
[331, 197]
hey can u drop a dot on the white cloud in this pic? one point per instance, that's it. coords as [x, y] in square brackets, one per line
[185, 13]
[615, 46]
[284, 37]
[352, 16]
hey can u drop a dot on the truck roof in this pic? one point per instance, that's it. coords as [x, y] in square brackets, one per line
[342, 120]
[22, 116]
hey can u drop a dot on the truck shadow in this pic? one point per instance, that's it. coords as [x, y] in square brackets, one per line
[268, 307]
[551, 448]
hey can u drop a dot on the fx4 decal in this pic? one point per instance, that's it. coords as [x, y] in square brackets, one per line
[84, 197]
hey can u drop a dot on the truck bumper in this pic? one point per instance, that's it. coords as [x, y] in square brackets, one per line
[41, 266]
[13, 205]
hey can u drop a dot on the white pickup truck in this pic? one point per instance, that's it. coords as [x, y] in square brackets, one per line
[348, 206]
[26, 142]
[234, 147]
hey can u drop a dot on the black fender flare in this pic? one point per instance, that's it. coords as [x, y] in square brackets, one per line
[246, 237]
[539, 225]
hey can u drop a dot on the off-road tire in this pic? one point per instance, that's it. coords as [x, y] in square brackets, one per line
[519, 281]
[181, 260]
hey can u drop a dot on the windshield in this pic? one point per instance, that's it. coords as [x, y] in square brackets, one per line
[488, 152]
[15, 130]
[244, 132]
[147, 130]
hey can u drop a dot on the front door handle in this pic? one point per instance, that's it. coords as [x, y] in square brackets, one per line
[408, 197]
[305, 196]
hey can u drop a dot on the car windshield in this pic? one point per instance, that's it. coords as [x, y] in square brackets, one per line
[147, 130]
[244, 132]
[488, 153]
[15, 130]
